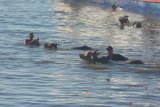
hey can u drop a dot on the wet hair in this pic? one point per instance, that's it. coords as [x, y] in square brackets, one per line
[114, 6]
[109, 48]
[31, 34]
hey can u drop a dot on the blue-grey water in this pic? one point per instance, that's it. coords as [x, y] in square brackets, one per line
[37, 77]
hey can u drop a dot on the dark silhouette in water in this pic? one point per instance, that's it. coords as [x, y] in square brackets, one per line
[135, 62]
[123, 20]
[114, 7]
[89, 56]
[31, 40]
[111, 56]
[83, 48]
[50, 45]
[93, 57]
[114, 57]
[54, 46]
[137, 24]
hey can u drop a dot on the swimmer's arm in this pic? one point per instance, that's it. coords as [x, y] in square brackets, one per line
[26, 42]
[34, 41]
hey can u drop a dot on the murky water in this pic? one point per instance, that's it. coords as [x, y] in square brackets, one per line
[37, 77]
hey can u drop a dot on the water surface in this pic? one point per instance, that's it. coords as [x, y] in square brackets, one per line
[37, 77]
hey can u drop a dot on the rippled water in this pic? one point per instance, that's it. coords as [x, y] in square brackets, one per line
[37, 77]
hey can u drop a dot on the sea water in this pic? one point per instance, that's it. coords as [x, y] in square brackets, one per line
[37, 77]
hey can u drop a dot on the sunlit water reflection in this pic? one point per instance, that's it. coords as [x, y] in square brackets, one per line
[33, 76]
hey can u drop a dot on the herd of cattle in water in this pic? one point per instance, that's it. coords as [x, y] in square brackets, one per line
[125, 21]
[91, 55]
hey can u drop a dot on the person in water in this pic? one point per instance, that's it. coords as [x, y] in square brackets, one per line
[123, 20]
[31, 40]
[114, 57]
[110, 56]
[50, 45]
[114, 7]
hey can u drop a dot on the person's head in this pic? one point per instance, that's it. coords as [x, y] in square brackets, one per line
[109, 50]
[114, 7]
[31, 36]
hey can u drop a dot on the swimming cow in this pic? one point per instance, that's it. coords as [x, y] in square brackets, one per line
[54, 46]
[50, 45]
[137, 24]
[106, 59]
[83, 48]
